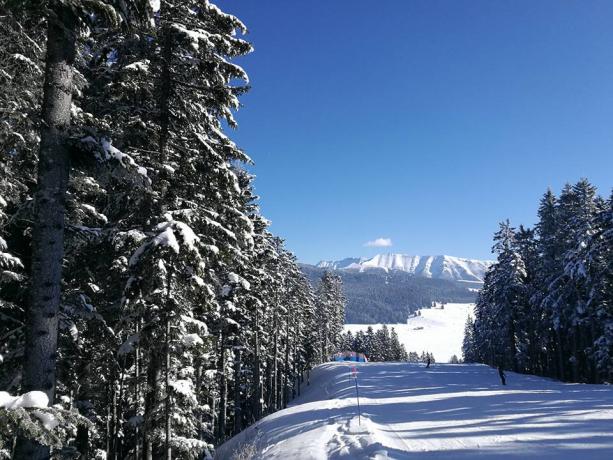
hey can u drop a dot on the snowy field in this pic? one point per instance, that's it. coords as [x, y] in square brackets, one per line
[446, 412]
[439, 331]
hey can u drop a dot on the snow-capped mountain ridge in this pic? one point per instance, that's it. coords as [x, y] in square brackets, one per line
[340, 264]
[441, 267]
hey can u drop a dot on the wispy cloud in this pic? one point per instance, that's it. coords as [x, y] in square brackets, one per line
[379, 243]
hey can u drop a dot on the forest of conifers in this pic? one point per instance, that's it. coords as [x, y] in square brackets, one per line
[146, 311]
[546, 307]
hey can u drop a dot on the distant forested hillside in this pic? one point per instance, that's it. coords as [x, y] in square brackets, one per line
[380, 297]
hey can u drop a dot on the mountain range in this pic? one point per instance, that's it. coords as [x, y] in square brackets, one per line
[437, 267]
[387, 288]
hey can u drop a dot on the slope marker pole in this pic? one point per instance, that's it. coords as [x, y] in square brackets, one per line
[354, 372]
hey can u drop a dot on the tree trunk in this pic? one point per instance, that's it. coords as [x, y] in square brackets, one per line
[137, 364]
[574, 367]
[151, 401]
[275, 362]
[83, 393]
[512, 339]
[108, 424]
[167, 363]
[49, 209]
[560, 354]
[199, 391]
[237, 392]
[279, 388]
[165, 87]
[114, 420]
[167, 427]
[258, 395]
[286, 364]
[223, 394]
[213, 414]
[82, 441]
[295, 379]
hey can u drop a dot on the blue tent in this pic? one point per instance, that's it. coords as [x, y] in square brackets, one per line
[350, 356]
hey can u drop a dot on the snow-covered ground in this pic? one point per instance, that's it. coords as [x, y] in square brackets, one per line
[445, 412]
[438, 331]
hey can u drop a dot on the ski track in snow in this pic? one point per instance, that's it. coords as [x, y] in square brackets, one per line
[445, 412]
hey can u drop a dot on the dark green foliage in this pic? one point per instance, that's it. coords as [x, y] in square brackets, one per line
[26, 422]
[183, 319]
[382, 345]
[546, 305]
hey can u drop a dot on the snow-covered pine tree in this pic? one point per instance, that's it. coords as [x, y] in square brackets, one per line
[170, 275]
[175, 133]
[397, 350]
[508, 296]
[469, 350]
[529, 316]
[21, 64]
[576, 209]
[386, 345]
[358, 342]
[554, 285]
[588, 268]
[22, 96]
[64, 21]
[304, 311]
[599, 274]
[347, 341]
[483, 330]
[382, 339]
[258, 310]
[549, 264]
[330, 313]
[370, 346]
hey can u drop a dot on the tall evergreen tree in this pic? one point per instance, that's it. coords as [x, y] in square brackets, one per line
[182, 318]
[548, 294]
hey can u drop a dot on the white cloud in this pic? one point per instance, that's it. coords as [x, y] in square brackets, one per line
[379, 243]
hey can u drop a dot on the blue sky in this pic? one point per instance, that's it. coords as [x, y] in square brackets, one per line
[425, 122]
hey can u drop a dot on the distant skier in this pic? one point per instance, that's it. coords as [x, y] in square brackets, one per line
[428, 361]
[503, 378]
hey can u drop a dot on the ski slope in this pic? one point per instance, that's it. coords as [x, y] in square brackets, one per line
[435, 330]
[445, 412]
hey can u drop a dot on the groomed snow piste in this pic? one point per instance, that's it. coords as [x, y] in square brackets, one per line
[445, 412]
[439, 331]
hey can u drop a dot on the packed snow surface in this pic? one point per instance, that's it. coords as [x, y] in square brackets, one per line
[445, 412]
[438, 330]
[441, 267]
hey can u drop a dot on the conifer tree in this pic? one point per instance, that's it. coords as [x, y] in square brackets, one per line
[180, 311]
[547, 295]
[469, 351]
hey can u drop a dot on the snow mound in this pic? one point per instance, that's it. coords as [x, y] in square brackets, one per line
[358, 438]
[32, 399]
